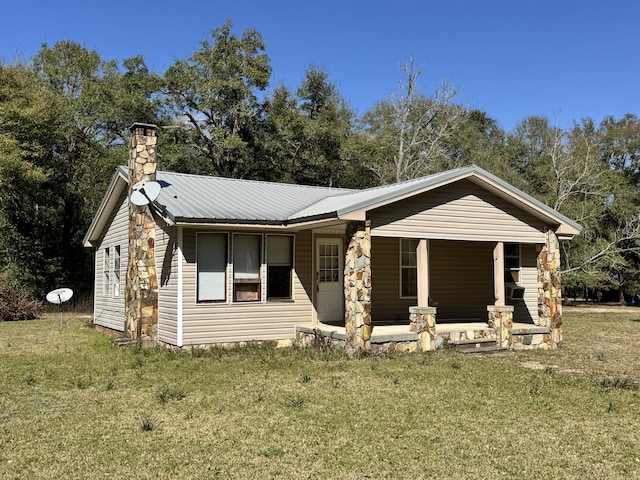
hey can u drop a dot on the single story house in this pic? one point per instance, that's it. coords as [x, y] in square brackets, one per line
[460, 255]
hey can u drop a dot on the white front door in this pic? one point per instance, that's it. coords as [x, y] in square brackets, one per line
[330, 279]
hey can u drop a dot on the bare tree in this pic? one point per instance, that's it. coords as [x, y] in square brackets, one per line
[609, 252]
[579, 177]
[586, 189]
[414, 126]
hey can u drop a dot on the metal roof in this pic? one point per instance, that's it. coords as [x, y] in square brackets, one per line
[202, 198]
[353, 200]
[186, 198]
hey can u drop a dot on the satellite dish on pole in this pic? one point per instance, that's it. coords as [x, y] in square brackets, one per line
[58, 297]
[145, 192]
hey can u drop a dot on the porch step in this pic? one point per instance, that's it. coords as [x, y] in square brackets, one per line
[474, 341]
[478, 345]
[480, 348]
[123, 342]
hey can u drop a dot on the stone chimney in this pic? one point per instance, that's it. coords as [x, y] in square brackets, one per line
[141, 292]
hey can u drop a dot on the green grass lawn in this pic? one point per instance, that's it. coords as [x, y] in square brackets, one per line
[72, 406]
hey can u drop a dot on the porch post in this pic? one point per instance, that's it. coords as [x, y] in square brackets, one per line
[498, 273]
[549, 288]
[357, 287]
[422, 258]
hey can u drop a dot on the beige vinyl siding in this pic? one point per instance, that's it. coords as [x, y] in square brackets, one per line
[460, 211]
[166, 252]
[461, 279]
[205, 323]
[526, 311]
[386, 304]
[109, 310]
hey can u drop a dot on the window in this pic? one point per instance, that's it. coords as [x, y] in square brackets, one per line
[329, 268]
[408, 267]
[116, 271]
[260, 267]
[279, 266]
[246, 267]
[212, 263]
[512, 263]
[106, 272]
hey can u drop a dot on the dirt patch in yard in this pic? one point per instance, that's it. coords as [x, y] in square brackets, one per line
[533, 365]
[599, 308]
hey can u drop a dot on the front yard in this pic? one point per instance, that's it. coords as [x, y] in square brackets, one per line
[73, 406]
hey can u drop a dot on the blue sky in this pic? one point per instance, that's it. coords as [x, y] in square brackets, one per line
[564, 58]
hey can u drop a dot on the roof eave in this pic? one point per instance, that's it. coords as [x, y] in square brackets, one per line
[118, 183]
[566, 232]
[564, 226]
[292, 224]
[184, 221]
[358, 211]
[323, 217]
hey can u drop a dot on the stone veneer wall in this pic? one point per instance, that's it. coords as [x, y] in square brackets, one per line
[549, 288]
[357, 287]
[532, 338]
[316, 338]
[141, 292]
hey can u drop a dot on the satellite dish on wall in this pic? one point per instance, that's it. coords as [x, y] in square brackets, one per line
[58, 297]
[145, 192]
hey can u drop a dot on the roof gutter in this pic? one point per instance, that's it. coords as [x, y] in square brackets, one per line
[275, 225]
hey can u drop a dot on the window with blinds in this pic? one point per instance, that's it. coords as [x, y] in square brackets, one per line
[212, 265]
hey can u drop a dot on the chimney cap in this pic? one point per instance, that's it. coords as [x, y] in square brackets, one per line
[145, 126]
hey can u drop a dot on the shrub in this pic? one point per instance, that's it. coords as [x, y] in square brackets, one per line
[15, 302]
[148, 424]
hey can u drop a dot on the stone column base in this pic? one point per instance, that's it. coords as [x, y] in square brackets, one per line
[556, 337]
[422, 320]
[501, 319]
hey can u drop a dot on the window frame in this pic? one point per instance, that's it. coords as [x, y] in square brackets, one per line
[261, 282]
[106, 271]
[517, 267]
[243, 285]
[225, 289]
[290, 297]
[403, 267]
[117, 265]
[331, 272]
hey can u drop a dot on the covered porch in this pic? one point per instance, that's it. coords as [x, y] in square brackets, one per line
[461, 295]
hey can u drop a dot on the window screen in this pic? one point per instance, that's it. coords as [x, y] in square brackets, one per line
[279, 266]
[106, 271]
[409, 267]
[212, 264]
[246, 267]
[116, 271]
